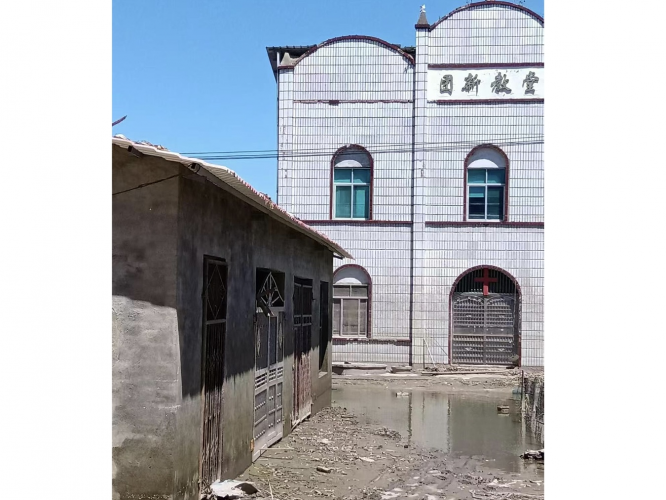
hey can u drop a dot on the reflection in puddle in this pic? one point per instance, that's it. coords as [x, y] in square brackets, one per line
[464, 425]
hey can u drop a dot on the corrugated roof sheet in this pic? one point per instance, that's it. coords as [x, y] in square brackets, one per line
[242, 188]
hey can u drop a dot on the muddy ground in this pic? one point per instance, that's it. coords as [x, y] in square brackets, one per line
[364, 461]
[446, 382]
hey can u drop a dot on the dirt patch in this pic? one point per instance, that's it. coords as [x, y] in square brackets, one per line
[359, 461]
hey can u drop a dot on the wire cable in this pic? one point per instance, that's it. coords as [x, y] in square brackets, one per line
[378, 149]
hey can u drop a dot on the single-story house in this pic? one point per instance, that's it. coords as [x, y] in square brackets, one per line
[221, 322]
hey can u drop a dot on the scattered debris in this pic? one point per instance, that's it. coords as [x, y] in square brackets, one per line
[399, 369]
[533, 455]
[503, 409]
[503, 496]
[442, 368]
[402, 394]
[386, 432]
[231, 489]
[389, 495]
[322, 460]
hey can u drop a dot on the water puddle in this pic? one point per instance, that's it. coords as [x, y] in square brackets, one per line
[463, 425]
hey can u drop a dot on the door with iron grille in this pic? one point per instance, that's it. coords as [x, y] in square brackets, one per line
[214, 334]
[269, 361]
[324, 328]
[485, 312]
[303, 299]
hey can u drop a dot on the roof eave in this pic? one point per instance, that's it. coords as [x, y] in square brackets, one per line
[241, 190]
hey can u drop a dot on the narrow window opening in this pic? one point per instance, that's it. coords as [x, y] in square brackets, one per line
[352, 184]
[486, 185]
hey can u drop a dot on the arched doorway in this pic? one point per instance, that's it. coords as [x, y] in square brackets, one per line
[484, 318]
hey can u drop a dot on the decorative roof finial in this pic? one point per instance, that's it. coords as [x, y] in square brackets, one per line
[422, 22]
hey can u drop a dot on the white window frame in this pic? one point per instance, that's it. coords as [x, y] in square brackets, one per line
[359, 299]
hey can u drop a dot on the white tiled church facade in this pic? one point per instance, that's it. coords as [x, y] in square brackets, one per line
[417, 240]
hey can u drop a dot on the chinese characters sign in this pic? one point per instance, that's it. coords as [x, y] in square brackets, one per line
[475, 83]
[472, 83]
[529, 82]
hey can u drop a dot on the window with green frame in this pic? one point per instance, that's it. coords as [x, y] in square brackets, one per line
[351, 184]
[485, 184]
[485, 195]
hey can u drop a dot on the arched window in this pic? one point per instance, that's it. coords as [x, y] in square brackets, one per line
[486, 174]
[351, 196]
[352, 293]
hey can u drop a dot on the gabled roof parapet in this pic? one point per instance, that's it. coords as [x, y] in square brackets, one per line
[287, 61]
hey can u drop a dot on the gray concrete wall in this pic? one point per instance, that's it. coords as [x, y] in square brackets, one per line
[215, 223]
[534, 393]
[161, 233]
[146, 382]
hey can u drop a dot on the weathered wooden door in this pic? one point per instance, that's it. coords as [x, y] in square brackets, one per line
[302, 345]
[268, 380]
[485, 328]
[214, 334]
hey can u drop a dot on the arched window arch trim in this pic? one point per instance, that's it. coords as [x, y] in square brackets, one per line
[339, 152]
[484, 266]
[519, 294]
[368, 282]
[468, 161]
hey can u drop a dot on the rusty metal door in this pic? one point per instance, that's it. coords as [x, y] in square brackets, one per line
[302, 344]
[485, 328]
[268, 380]
[214, 334]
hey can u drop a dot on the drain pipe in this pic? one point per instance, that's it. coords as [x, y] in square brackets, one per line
[411, 240]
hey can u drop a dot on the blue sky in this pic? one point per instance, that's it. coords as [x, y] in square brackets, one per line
[194, 76]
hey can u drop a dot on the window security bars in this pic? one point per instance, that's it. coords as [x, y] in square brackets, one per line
[350, 311]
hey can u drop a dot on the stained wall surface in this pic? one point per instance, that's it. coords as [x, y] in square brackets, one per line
[161, 234]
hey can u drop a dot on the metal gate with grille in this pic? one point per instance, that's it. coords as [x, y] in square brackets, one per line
[214, 328]
[484, 329]
[269, 360]
[268, 380]
[302, 344]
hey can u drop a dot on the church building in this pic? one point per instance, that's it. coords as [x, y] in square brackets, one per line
[425, 162]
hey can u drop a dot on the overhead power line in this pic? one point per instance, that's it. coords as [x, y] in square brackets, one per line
[373, 149]
[487, 138]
